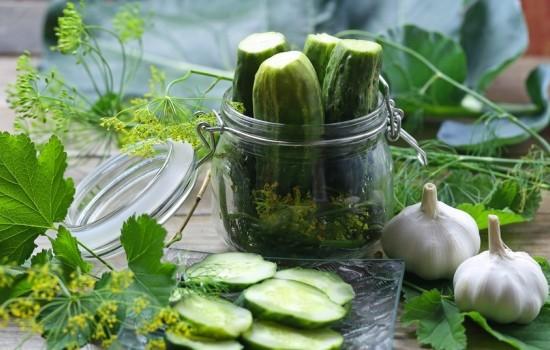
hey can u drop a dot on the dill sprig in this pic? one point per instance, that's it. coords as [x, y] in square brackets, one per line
[159, 116]
[45, 104]
[496, 182]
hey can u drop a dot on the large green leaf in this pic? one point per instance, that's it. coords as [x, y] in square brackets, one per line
[412, 82]
[438, 321]
[143, 242]
[533, 336]
[33, 193]
[501, 131]
[480, 212]
[494, 34]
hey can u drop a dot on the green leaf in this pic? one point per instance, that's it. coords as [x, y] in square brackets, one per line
[143, 241]
[532, 336]
[43, 257]
[500, 131]
[411, 81]
[66, 250]
[438, 321]
[494, 34]
[33, 193]
[479, 212]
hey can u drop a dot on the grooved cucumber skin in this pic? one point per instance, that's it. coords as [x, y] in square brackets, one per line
[319, 51]
[350, 87]
[245, 71]
[288, 95]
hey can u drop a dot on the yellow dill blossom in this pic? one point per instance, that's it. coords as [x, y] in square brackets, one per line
[106, 343]
[77, 323]
[70, 30]
[106, 314]
[44, 284]
[81, 284]
[24, 308]
[99, 333]
[114, 124]
[128, 23]
[120, 280]
[4, 317]
[5, 279]
[168, 316]
[181, 328]
[156, 344]
[139, 304]
[31, 325]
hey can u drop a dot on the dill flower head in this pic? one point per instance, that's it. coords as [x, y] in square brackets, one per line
[120, 280]
[106, 314]
[24, 308]
[156, 344]
[44, 284]
[70, 30]
[4, 317]
[23, 96]
[5, 279]
[128, 22]
[78, 323]
[81, 284]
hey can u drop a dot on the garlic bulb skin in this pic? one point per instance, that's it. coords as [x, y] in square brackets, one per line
[432, 237]
[502, 285]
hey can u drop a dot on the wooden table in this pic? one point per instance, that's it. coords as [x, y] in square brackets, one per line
[533, 237]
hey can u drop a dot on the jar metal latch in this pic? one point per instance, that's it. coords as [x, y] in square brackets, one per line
[394, 131]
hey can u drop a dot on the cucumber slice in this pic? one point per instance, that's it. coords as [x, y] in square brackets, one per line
[214, 317]
[178, 342]
[271, 336]
[235, 270]
[292, 303]
[329, 282]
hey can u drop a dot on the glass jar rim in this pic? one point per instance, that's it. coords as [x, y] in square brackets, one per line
[96, 215]
[270, 132]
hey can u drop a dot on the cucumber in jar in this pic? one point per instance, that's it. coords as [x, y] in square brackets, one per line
[251, 53]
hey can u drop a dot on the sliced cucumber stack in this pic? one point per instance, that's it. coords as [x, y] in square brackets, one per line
[292, 303]
[329, 282]
[178, 342]
[271, 336]
[235, 270]
[214, 317]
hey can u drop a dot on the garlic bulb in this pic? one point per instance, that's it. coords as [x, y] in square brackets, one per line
[502, 285]
[432, 237]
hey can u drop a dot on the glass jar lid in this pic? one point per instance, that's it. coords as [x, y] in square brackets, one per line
[127, 185]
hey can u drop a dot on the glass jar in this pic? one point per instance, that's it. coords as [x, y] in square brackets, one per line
[278, 195]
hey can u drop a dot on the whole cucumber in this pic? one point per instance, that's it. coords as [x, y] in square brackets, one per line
[252, 51]
[350, 86]
[286, 91]
[318, 48]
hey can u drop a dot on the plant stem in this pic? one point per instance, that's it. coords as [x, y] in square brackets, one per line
[177, 237]
[92, 253]
[501, 113]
